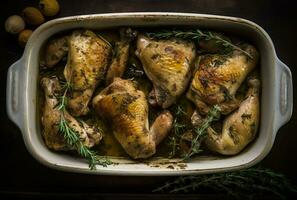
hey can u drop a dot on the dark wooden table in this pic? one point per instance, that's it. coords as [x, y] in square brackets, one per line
[22, 176]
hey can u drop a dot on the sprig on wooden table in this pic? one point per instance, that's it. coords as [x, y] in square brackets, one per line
[196, 35]
[248, 182]
[72, 137]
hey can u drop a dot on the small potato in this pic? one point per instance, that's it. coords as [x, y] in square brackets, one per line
[14, 24]
[24, 37]
[33, 16]
[49, 7]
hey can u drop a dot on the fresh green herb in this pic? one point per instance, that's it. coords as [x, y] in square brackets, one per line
[196, 35]
[66, 86]
[178, 126]
[178, 129]
[72, 137]
[73, 140]
[200, 132]
[246, 182]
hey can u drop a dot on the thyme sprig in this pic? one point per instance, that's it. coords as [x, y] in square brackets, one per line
[247, 182]
[177, 125]
[72, 137]
[200, 132]
[178, 129]
[196, 35]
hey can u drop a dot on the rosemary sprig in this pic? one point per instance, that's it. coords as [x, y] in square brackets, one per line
[72, 137]
[196, 35]
[243, 182]
[63, 99]
[200, 132]
[73, 140]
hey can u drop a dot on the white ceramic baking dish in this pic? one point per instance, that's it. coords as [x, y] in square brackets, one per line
[276, 100]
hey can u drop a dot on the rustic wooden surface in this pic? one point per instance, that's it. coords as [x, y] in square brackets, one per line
[22, 176]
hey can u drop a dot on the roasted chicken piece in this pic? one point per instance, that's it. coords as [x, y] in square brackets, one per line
[55, 50]
[121, 55]
[126, 109]
[239, 128]
[218, 77]
[87, 62]
[167, 63]
[51, 117]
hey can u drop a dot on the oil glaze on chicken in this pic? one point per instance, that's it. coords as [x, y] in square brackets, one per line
[167, 64]
[126, 108]
[127, 92]
[86, 66]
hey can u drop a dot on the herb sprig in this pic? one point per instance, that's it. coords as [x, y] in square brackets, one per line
[246, 182]
[72, 137]
[200, 132]
[178, 129]
[196, 35]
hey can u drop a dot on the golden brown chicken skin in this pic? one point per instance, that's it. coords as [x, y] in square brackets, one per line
[126, 109]
[168, 64]
[218, 78]
[240, 127]
[88, 59]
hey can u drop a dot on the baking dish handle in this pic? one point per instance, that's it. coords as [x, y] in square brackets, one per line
[284, 94]
[14, 93]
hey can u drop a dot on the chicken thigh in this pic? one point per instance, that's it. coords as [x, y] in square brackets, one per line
[87, 62]
[51, 117]
[126, 109]
[239, 128]
[218, 77]
[167, 63]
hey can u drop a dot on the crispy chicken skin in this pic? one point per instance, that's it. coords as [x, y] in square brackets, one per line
[121, 55]
[167, 63]
[87, 62]
[239, 128]
[126, 109]
[51, 117]
[218, 78]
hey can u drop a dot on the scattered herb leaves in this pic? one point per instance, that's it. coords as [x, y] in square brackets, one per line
[72, 137]
[196, 35]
